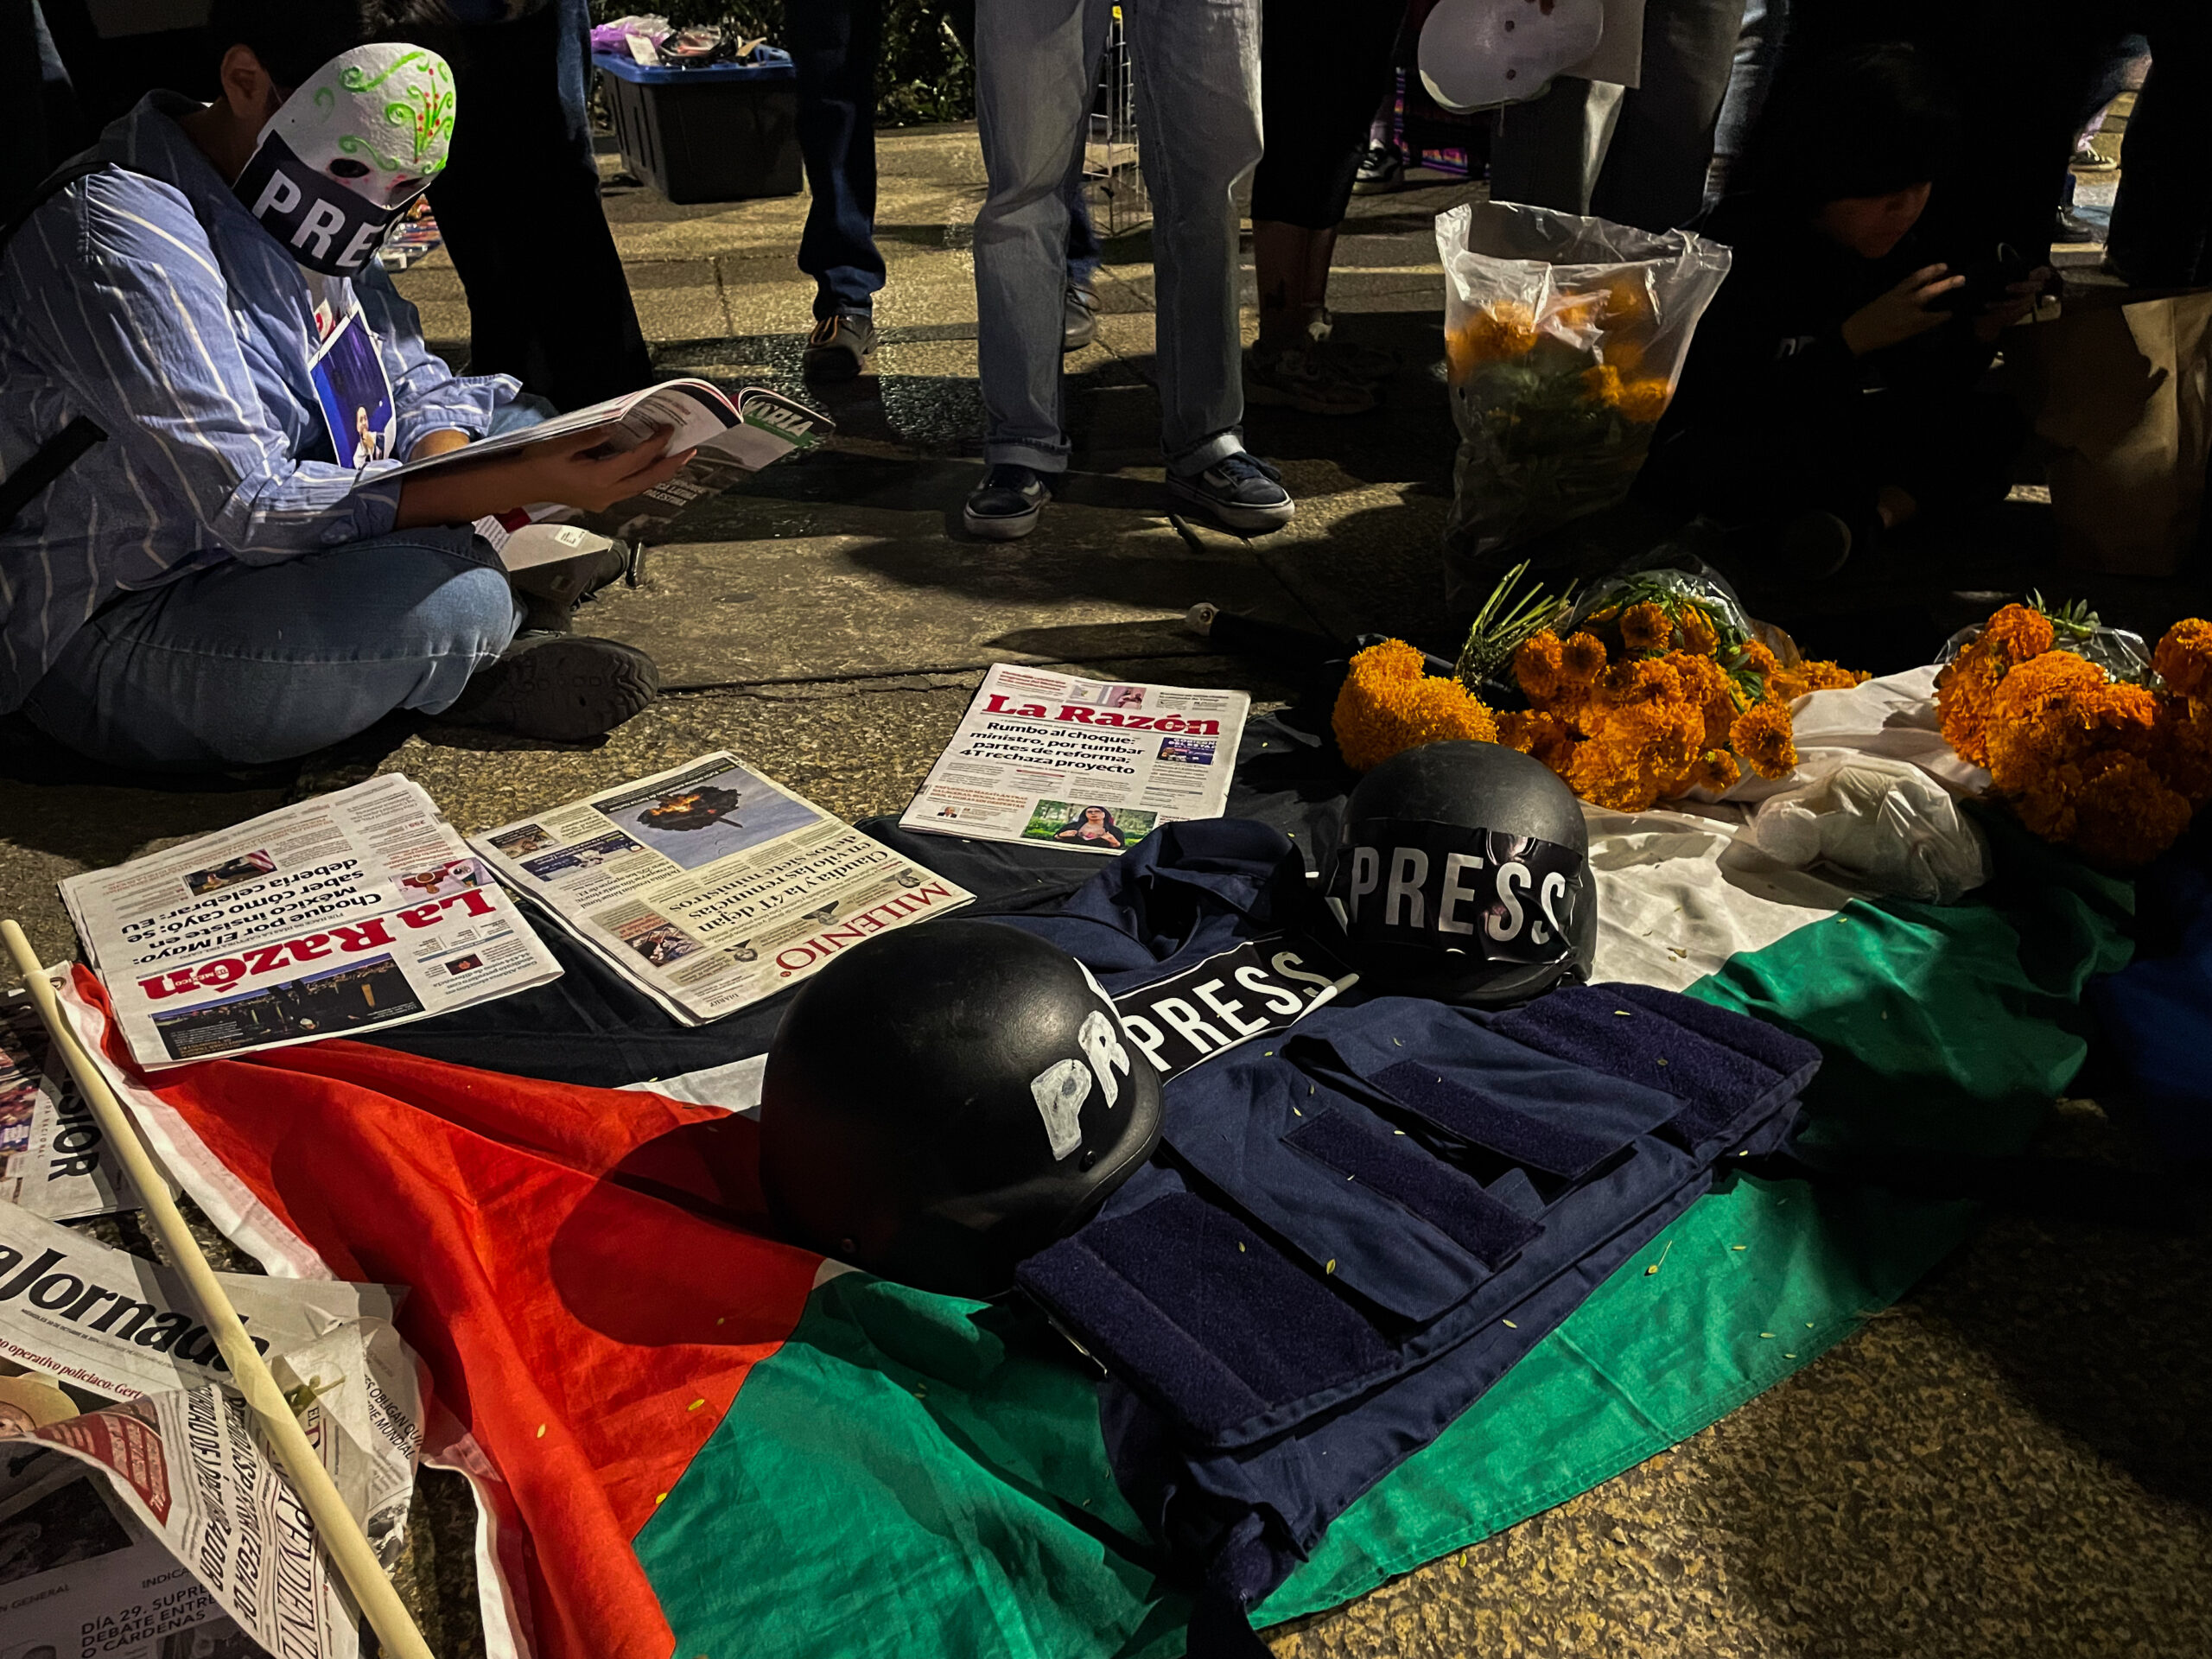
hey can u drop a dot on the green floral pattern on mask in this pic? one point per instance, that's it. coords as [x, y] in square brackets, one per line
[418, 106]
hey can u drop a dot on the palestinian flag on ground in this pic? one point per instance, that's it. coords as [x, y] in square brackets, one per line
[692, 1440]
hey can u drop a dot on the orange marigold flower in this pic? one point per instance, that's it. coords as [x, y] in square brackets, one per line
[1536, 666]
[1389, 704]
[1627, 301]
[2124, 813]
[1717, 773]
[1574, 313]
[1646, 627]
[1625, 354]
[1602, 384]
[2184, 658]
[1761, 661]
[1489, 335]
[1698, 635]
[2183, 747]
[2019, 632]
[1794, 682]
[1762, 739]
[1636, 752]
[1643, 401]
[1641, 679]
[1582, 659]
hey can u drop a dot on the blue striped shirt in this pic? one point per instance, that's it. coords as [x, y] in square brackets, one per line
[146, 297]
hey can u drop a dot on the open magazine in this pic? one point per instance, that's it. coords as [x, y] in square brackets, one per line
[358, 908]
[1094, 766]
[735, 437]
[141, 1515]
[709, 887]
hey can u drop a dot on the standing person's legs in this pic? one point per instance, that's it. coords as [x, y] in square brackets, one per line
[1654, 165]
[1548, 154]
[1317, 111]
[2163, 214]
[1760, 43]
[241, 664]
[1035, 62]
[522, 180]
[1197, 85]
[834, 46]
[1079, 318]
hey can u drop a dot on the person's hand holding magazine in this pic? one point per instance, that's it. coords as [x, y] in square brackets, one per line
[575, 470]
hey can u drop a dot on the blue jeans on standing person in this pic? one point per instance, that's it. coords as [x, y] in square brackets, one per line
[835, 47]
[1198, 87]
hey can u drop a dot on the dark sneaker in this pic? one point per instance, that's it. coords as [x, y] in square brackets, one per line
[560, 687]
[1382, 170]
[1369, 364]
[1240, 491]
[839, 347]
[1007, 504]
[1302, 381]
[1078, 320]
[551, 593]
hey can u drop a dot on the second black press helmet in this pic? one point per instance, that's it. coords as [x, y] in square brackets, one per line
[1463, 873]
[943, 1101]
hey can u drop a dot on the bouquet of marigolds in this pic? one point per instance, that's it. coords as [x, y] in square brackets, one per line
[1649, 688]
[2093, 744]
[1563, 336]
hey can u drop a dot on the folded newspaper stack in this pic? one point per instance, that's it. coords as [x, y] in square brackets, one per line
[709, 887]
[354, 909]
[141, 1515]
[1094, 765]
[54, 1160]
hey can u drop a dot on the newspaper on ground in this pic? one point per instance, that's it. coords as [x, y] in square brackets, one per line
[141, 1515]
[709, 887]
[1092, 765]
[735, 435]
[55, 1161]
[360, 908]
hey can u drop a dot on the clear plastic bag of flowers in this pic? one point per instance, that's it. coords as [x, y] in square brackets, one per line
[1564, 337]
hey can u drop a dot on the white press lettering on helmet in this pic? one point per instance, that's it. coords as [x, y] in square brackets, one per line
[1456, 892]
[1408, 870]
[1554, 887]
[1102, 1044]
[1366, 874]
[1060, 1091]
[1509, 926]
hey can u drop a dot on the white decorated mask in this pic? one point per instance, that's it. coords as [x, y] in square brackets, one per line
[361, 138]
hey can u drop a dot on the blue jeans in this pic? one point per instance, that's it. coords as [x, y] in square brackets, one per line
[835, 47]
[240, 664]
[1197, 74]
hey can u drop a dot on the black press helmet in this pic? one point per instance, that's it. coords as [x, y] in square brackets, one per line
[943, 1101]
[1462, 875]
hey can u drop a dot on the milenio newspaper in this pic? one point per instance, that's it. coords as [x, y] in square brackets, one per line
[709, 887]
[1096, 765]
[141, 1515]
[354, 909]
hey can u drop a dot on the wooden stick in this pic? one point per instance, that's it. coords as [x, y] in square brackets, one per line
[343, 1538]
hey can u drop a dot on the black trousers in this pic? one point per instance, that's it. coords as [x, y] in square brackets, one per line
[1323, 70]
[518, 205]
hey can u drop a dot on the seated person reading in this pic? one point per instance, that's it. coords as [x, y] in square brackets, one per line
[227, 576]
[1830, 393]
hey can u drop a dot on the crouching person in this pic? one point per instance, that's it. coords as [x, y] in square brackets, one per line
[208, 380]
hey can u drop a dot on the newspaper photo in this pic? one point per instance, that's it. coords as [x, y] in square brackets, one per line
[55, 1161]
[141, 1516]
[1091, 764]
[735, 437]
[360, 908]
[710, 887]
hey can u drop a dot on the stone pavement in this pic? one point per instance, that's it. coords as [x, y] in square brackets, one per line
[2015, 1461]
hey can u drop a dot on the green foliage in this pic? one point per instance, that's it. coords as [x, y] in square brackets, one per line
[926, 75]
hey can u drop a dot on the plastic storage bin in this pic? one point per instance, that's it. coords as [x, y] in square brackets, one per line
[720, 133]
